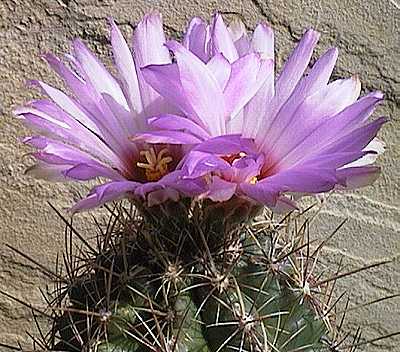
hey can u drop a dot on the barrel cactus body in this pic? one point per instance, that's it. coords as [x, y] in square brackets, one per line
[187, 277]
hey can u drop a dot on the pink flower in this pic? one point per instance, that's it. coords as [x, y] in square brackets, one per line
[263, 137]
[86, 134]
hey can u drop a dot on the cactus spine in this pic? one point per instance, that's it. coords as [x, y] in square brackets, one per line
[192, 277]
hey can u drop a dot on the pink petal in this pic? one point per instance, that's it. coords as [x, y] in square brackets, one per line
[305, 180]
[263, 41]
[326, 102]
[54, 173]
[221, 40]
[261, 193]
[98, 75]
[127, 70]
[197, 37]
[178, 123]
[165, 79]
[332, 129]
[149, 49]
[166, 137]
[278, 116]
[238, 33]
[49, 119]
[295, 66]
[220, 68]
[162, 195]
[248, 75]
[85, 171]
[149, 40]
[220, 190]
[355, 177]
[201, 89]
[53, 152]
[374, 149]
[105, 193]
[199, 163]
[69, 106]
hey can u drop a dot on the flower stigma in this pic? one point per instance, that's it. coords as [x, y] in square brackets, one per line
[231, 158]
[156, 165]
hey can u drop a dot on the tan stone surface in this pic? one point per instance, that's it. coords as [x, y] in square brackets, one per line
[367, 34]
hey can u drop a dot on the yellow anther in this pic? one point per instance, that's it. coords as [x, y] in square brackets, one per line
[156, 165]
[253, 180]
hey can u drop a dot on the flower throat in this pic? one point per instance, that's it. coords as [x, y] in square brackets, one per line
[156, 164]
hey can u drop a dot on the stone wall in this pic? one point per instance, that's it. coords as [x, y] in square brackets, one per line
[365, 31]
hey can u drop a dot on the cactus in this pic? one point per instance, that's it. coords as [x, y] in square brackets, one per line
[192, 277]
[197, 273]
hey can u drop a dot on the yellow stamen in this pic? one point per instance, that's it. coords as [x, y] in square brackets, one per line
[156, 165]
[253, 180]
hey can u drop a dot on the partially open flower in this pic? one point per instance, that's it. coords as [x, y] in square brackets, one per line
[259, 136]
[87, 134]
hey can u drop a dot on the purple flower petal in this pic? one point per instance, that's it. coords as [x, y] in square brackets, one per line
[48, 119]
[275, 121]
[98, 75]
[220, 190]
[102, 124]
[197, 37]
[263, 41]
[241, 40]
[85, 171]
[373, 150]
[149, 40]
[165, 80]
[356, 140]
[226, 145]
[328, 101]
[201, 88]
[332, 129]
[334, 160]
[178, 123]
[355, 177]
[221, 69]
[92, 100]
[198, 164]
[69, 105]
[248, 75]
[308, 180]
[149, 49]
[260, 192]
[105, 193]
[54, 173]
[76, 164]
[295, 66]
[166, 137]
[127, 69]
[222, 42]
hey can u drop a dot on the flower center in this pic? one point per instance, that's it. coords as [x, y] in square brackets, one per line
[156, 164]
[232, 158]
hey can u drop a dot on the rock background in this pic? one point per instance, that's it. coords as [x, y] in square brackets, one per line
[367, 34]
